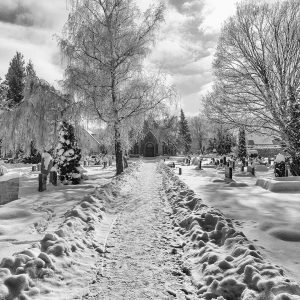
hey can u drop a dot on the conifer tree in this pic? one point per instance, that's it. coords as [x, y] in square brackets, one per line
[184, 133]
[242, 153]
[30, 69]
[15, 79]
[68, 155]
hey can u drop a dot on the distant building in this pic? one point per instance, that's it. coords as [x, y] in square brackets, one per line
[262, 145]
[152, 145]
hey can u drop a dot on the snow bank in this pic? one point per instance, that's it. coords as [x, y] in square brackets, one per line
[59, 265]
[280, 184]
[223, 264]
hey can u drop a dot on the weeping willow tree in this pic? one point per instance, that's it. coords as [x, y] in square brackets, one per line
[36, 118]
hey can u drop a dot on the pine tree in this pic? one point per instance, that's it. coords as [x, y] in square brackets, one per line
[30, 69]
[68, 154]
[242, 152]
[184, 133]
[15, 78]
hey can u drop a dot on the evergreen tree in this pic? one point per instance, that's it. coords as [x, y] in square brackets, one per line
[3, 92]
[15, 78]
[30, 69]
[184, 133]
[68, 154]
[291, 141]
[242, 153]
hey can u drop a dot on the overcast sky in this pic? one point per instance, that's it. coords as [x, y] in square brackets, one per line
[184, 50]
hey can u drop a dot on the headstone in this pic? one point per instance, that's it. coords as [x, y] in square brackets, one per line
[53, 177]
[200, 164]
[286, 173]
[9, 190]
[251, 170]
[34, 168]
[42, 182]
[228, 172]
[180, 171]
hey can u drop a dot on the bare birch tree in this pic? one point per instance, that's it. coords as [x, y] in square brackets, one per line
[105, 42]
[257, 68]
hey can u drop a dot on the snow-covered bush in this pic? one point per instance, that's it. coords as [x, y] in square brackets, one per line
[279, 166]
[68, 155]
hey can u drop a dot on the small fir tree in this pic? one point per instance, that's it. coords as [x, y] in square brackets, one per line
[68, 155]
[15, 79]
[184, 133]
[30, 69]
[242, 152]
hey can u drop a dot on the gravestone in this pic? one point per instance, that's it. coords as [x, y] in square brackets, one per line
[251, 170]
[53, 177]
[180, 171]
[42, 182]
[9, 190]
[228, 173]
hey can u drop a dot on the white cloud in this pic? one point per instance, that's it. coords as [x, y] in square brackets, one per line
[185, 46]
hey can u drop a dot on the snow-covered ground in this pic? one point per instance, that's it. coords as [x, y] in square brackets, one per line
[223, 263]
[270, 220]
[47, 239]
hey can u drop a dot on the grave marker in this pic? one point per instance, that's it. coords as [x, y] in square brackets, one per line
[42, 182]
[228, 173]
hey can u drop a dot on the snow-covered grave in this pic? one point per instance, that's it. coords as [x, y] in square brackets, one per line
[289, 184]
[269, 220]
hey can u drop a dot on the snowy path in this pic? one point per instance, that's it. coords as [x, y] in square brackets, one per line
[142, 260]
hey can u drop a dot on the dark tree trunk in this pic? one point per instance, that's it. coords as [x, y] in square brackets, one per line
[118, 151]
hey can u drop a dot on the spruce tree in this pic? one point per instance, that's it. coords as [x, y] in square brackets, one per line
[15, 78]
[242, 152]
[68, 155]
[184, 133]
[30, 69]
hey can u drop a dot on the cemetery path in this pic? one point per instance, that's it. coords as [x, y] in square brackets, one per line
[143, 259]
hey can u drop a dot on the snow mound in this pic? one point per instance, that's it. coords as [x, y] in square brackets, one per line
[223, 264]
[237, 184]
[244, 174]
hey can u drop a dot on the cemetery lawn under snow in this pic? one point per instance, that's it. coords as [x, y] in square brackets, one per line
[147, 235]
[270, 220]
